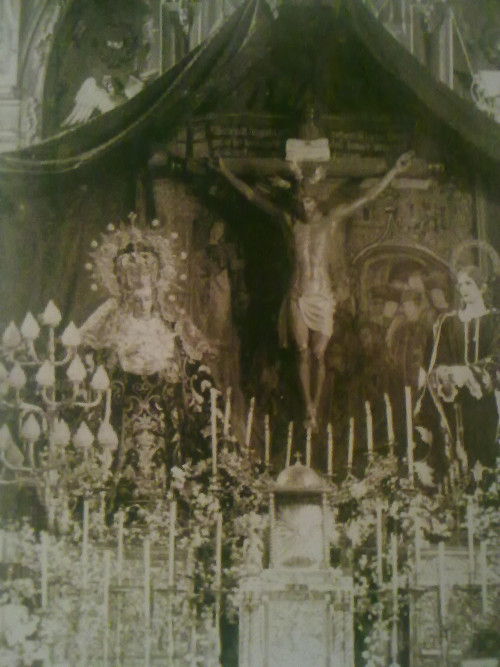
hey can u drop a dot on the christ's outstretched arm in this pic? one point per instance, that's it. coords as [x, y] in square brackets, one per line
[252, 194]
[345, 210]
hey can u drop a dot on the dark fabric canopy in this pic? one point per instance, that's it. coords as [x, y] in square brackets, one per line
[336, 54]
[56, 197]
[164, 104]
[478, 130]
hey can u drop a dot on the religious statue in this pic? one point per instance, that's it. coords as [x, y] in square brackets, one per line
[316, 242]
[253, 548]
[463, 379]
[155, 354]
[218, 302]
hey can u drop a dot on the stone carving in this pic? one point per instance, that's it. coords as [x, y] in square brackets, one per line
[485, 91]
[9, 31]
[9, 103]
[435, 216]
[253, 552]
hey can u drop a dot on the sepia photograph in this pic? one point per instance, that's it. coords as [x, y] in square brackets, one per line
[250, 333]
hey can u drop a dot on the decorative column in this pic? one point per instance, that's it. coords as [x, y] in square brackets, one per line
[9, 53]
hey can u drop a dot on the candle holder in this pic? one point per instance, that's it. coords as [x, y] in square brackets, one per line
[47, 383]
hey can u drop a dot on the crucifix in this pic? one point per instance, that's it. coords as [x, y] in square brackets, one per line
[315, 241]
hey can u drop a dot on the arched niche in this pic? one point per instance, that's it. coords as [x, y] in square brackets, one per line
[104, 53]
[67, 42]
[39, 26]
[401, 289]
[394, 261]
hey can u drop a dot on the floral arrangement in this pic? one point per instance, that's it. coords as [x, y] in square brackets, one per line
[376, 521]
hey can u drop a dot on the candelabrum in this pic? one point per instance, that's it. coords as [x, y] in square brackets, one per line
[55, 405]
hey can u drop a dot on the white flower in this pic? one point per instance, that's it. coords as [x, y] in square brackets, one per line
[424, 473]
[17, 623]
[178, 473]
[358, 489]
[353, 533]
[477, 471]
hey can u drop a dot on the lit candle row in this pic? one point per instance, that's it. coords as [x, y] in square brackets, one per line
[308, 444]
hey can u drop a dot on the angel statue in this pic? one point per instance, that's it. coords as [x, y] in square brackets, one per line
[316, 244]
[253, 547]
[92, 98]
[155, 354]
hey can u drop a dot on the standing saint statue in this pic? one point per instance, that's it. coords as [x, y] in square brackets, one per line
[316, 242]
[461, 420]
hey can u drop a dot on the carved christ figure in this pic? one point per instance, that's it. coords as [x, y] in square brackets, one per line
[316, 244]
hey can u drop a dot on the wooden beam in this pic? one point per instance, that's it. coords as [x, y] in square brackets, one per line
[351, 166]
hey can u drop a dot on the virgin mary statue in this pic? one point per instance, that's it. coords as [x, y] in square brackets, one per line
[153, 352]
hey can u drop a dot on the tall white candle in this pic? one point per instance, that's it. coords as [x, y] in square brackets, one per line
[147, 603]
[267, 440]
[330, 449]
[308, 446]
[218, 551]
[147, 582]
[395, 602]
[248, 434]
[289, 444]
[483, 574]
[44, 568]
[272, 529]
[213, 428]
[369, 428]
[350, 449]
[389, 419]
[380, 576]
[227, 412]
[107, 409]
[171, 542]
[394, 568]
[85, 543]
[418, 544]
[470, 539]
[442, 583]
[85, 574]
[218, 580]
[119, 564]
[119, 571]
[409, 432]
[105, 605]
[102, 508]
[52, 344]
[193, 644]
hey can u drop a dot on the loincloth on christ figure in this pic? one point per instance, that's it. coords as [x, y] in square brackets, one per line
[316, 309]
